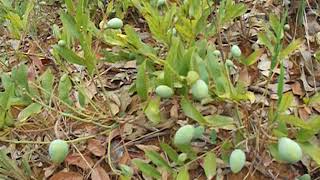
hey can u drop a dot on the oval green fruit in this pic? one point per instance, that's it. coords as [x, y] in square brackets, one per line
[58, 151]
[198, 132]
[237, 160]
[235, 51]
[62, 43]
[184, 135]
[199, 89]
[289, 150]
[161, 3]
[164, 91]
[229, 63]
[304, 177]
[217, 53]
[182, 157]
[192, 77]
[115, 23]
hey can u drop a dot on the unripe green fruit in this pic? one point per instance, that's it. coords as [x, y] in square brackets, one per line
[192, 77]
[198, 132]
[237, 160]
[182, 157]
[115, 23]
[199, 89]
[62, 43]
[304, 177]
[58, 151]
[235, 51]
[184, 135]
[287, 27]
[161, 2]
[289, 150]
[229, 63]
[217, 53]
[164, 91]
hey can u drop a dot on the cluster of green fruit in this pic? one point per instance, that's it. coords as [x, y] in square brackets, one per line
[289, 150]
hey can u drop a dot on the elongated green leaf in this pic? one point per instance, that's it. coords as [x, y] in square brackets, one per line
[152, 110]
[293, 120]
[281, 85]
[210, 165]
[285, 102]
[20, 76]
[220, 121]
[171, 153]
[157, 159]
[6, 96]
[263, 38]
[252, 58]
[183, 174]
[64, 89]
[147, 169]
[191, 111]
[32, 109]
[69, 55]
[312, 150]
[294, 45]
[47, 80]
[142, 82]
[70, 25]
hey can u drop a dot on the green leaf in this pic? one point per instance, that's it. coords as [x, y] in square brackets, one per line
[69, 55]
[171, 153]
[293, 120]
[312, 150]
[285, 102]
[147, 169]
[32, 109]
[6, 96]
[252, 58]
[263, 38]
[183, 174]
[20, 76]
[70, 25]
[210, 165]
[142, 81]
[273, 149]
[152, 110]
[220, 121]
[157, 159]
[64, 89]
[191, 111]
[294, 45]
[46, 81]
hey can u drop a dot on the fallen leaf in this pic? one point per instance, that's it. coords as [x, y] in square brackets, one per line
[99, 173]
[84, 162]
[148, 147]
[297, 89]
[96, 147]
[66, 176]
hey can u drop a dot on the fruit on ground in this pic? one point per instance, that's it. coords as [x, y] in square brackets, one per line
[237, 160]
[61, 43]
[192, 77]
[182, 157]
[289, 150]
[199, 89]
[184, 135]
[58, 151]
[235, 51]
[164, 91]
[115, 23]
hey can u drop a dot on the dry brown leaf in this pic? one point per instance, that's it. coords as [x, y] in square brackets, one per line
[303, 113]
[96, 147]
[99, 173]
[147, 147]
[84, 162]
[67, 176]
[297, 89]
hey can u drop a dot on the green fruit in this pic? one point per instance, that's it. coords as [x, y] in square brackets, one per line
[62, 43]
[304, 177]
[58, 151]
[184, 135]
[229, 63]
[161, 3]
[237, 160]
[164, 91]
[287, 27]
[217, 53]
[235, 51]
[199, 89]
[192, 77]
[289, 150]
[198, 132]
[115, 23]
[182, 157]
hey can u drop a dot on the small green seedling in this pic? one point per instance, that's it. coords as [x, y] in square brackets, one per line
[199, 89]
[237, 160]
[58, 151]
[184, 135]
[115, 23]
[289, 150]
[235, 51]
[164, 91]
